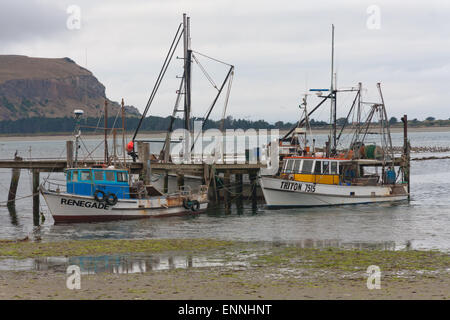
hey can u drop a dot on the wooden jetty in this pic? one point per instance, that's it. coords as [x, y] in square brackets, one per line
[207, 172]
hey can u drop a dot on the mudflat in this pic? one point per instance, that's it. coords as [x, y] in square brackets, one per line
[247, 271]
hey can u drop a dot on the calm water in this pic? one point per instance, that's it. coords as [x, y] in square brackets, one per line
[423, 223]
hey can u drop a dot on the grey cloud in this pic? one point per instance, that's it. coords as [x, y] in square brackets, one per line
[278, 48]
[22, 20]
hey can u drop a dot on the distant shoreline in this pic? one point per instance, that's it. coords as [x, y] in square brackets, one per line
[52, 136]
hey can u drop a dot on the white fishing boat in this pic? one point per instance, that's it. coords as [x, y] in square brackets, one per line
[364, 171]
[318, 181]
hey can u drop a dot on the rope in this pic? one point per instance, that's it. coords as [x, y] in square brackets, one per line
[204, 55]
[205, 73]
[20, 198]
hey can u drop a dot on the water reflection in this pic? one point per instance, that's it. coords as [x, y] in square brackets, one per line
[336, 243]
[13, 215]
[116, 264]
[141, 263]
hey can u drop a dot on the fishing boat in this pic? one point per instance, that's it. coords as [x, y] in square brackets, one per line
[107, 190]
[364, 171]
[102, 194]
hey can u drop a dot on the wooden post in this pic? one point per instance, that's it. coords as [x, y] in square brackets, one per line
[252, 176]
[69, 153]
[36, 197]
[214, 180]
[144, 156]
[166, 182]
[406, 153]
[140, 150]
[239, 189]
[180, 180]
[15, 175]
[205, 177]
[226, 190]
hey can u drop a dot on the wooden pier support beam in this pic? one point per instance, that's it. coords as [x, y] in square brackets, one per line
[180, 180]
[69, 153]
[252, 176]
[226, 190]
[166, 182]
[144, 156]
[406, 154]
[140, 146]
[15, 175]
[239, 190]
[36, 197]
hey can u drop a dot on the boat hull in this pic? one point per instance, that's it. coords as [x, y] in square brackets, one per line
[287, 193]
[66, 208]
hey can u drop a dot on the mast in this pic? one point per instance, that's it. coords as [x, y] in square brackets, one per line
[333, 96]
[187, 71]
[123, 133]
[106, 131]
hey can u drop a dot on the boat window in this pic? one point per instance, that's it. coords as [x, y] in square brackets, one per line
[85, 176]
[75, 176]
[98, 175]
[318, 167]
[334, 167]
[69, 176]
[307, 166]
[297, 166]
[122, 177]
[326, 167]
[110, 176]
[289, 166]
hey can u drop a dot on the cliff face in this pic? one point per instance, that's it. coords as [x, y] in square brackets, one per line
[31, 87]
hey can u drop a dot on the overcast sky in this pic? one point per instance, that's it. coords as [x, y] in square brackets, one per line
[279, 49]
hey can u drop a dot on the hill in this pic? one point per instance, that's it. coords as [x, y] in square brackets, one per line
[49, 88]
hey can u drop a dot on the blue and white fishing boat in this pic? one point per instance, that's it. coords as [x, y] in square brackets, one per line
[102, 194]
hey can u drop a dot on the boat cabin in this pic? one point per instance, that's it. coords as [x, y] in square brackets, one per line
[313, 170]
[85, 181]
[337, 171]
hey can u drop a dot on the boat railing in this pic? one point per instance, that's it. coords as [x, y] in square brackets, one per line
[53, 186]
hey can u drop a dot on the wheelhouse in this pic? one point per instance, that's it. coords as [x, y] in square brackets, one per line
[337, 171]
[86, 181]
[314, 170]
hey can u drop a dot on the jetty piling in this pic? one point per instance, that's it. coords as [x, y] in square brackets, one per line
[69, 153]
[145, 154]
[252, 177]
[180, 180]
[406, 153]
[226, 190]
[239, 189]
[15, 176]
[36, 196]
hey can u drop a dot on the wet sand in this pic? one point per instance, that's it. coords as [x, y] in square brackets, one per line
[265, 272]
[218, 283]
